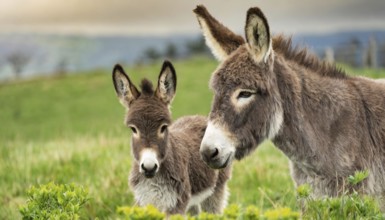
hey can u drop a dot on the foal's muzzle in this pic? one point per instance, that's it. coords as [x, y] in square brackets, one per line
[149, 171]
[149, 164]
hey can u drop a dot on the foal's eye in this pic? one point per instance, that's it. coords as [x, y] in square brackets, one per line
[163, 129]
[133, 129]
[244, 94]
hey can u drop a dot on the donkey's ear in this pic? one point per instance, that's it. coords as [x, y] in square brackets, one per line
[125, 90]
[258, 35]
[166, 83]
[219, 38]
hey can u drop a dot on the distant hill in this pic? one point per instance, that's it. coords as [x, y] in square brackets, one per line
[52, 53]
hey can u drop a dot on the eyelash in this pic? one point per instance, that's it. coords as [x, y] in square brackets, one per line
[245, 94]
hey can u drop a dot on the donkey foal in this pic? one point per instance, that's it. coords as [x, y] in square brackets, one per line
[167, 171]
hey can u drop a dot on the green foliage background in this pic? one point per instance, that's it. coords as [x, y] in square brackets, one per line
[69, 129]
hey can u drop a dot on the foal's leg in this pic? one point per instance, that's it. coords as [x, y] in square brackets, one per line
[194, 210]
[217, 201]
[181, 205]
[298, 176]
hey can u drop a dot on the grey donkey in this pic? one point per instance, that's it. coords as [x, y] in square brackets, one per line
[167, 169]
[329, 124]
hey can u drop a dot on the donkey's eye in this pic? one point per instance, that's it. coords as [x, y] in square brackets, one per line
[244, 94]
[163, 129]
[133, 129]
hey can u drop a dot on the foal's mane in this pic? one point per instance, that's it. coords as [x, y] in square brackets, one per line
[302, 56]
[146, 87]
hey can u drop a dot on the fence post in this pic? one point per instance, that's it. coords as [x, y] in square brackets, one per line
[329, 55]
[372, 53]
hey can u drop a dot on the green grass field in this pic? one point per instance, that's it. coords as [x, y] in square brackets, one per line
[70, 129]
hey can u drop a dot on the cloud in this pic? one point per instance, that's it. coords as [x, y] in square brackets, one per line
[175, 16]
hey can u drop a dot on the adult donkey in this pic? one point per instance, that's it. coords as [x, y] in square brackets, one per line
[327, 123]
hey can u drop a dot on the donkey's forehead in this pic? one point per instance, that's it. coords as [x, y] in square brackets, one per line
[239, 70]
[148, 109]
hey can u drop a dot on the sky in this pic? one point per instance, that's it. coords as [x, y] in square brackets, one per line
[167, 17]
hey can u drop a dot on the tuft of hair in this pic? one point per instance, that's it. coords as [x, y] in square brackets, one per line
[283, 45]
[147, 87]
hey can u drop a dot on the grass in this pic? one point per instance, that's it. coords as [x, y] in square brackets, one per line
[70, 129]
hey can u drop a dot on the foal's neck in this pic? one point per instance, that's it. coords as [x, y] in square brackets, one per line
[169, 159]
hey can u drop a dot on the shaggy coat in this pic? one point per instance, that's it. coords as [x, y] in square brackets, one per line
[329, 124]
[167, 170]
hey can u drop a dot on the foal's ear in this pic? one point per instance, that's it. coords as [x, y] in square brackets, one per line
[125, 90]
[165, 90]
[219, 38]
[258, 35]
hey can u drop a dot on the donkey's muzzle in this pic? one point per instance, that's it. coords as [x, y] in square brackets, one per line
[212, 157]
[149, 171]
[209, 154]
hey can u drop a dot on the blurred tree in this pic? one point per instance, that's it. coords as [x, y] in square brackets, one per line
[151, 54]
[1, 62]
[197, 46]
[18, 60]
[61, 68]
[171, 51]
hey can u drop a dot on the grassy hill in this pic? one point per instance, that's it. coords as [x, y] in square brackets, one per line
[70, 129]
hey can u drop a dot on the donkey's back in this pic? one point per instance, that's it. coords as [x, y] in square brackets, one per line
[194, 126]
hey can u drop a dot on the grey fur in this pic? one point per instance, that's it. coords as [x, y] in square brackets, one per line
[333, 124]
[182, 181]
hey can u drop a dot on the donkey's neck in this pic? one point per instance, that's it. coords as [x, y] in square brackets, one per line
[311, 103]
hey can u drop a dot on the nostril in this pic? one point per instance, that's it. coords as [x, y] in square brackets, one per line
[208, 154]
[215, 153]
[143, 168]
[155, 167]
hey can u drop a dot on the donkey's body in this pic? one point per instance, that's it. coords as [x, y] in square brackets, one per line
[329, 124]
[334, 124]
[167, 170]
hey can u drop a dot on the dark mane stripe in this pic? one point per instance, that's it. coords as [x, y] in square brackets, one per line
[146, 87]
[302, 56]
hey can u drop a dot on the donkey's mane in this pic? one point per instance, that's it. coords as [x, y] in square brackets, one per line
[303, 57]
[146, 87]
